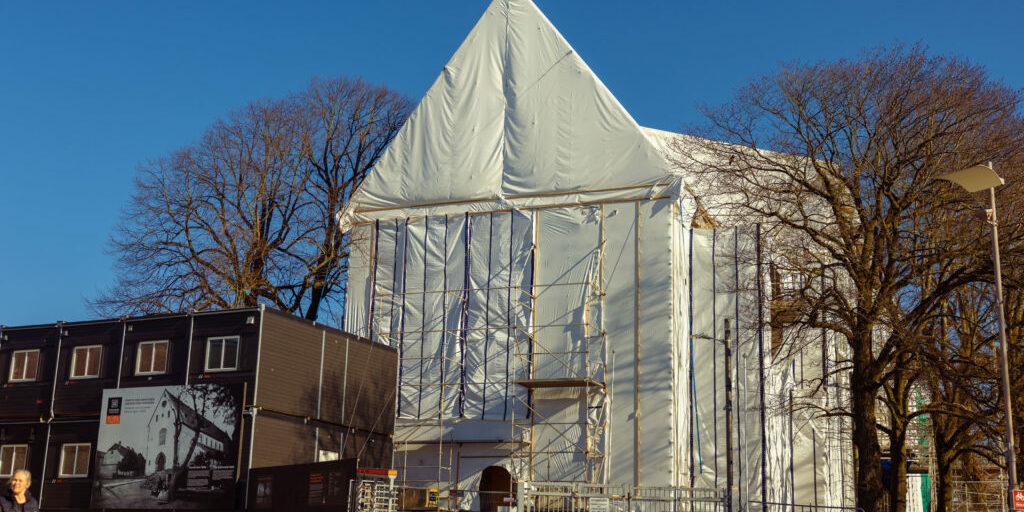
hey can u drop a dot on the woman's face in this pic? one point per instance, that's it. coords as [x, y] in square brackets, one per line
[18, 483]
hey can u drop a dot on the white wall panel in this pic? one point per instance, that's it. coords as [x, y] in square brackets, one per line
[497, 314]
[681, 349]
[478, 313]
[724, 307]
[418, 465]
[620, 324]
[707, 368]
[458, 332]
[750, 358]
[435, 312]
[357, 293]
[452, 350]
[656, 351]
[567, 256]
[411, 324]
[559, 434]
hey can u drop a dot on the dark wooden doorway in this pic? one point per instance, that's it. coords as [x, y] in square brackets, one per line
[495, 486]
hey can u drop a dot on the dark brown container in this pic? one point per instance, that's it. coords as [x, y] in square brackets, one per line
[308, 392]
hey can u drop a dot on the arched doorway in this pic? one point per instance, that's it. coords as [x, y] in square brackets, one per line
[161, 461]
[495, 486]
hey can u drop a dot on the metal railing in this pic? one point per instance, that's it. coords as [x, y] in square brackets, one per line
[979, 496]
[771, 506]
[587, 497]
[372, 495]
[583, 497]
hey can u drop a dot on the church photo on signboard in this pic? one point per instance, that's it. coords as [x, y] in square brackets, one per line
[172, 447]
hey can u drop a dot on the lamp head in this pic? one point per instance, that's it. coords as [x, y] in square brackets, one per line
[974, 179]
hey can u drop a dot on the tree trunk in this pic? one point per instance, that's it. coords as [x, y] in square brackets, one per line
[171, 492]
[898, 455]
[943, 484]
[898, 422]
[865, 440]
[179, 473]
[316, 294]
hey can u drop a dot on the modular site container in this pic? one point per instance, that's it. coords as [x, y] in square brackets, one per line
[107, 414]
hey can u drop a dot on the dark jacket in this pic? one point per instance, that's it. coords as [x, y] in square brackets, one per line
[7, 503]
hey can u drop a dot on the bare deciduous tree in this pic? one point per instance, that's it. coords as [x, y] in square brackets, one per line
[246, 214]
[839, 161]
[962, 381]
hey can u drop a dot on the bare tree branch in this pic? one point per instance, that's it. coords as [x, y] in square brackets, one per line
[244, 216]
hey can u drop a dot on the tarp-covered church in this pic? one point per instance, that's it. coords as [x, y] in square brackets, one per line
[560, 315]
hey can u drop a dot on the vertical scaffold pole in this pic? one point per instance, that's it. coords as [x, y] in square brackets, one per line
[728, 418]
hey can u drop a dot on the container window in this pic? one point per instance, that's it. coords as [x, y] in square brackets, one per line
[74, 460]
[24, 366]
[12, 457]
[222, 353]
[151, 358]
[85, 362]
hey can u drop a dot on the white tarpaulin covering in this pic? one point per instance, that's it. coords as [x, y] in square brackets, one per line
[515, 115]
[813, 457]
[450, 293]
[524, 245]
[726, 308]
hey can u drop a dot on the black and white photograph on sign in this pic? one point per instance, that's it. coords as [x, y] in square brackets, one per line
[167, 447]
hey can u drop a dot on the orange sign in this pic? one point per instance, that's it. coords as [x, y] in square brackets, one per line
[113, 419]
[1018, 499]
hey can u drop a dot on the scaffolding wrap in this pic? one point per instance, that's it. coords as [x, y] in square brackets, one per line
[528, 249]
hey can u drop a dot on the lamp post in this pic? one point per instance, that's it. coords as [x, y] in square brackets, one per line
[976, 179]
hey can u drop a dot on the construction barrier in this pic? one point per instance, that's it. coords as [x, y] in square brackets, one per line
[573, 497]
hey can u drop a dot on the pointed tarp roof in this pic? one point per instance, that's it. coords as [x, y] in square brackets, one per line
[515, 114]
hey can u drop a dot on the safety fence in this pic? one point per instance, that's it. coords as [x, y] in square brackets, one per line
[574, 496]
[372, 495]
[383, 496]
[979, 496]
[380, 496]
[769, 506]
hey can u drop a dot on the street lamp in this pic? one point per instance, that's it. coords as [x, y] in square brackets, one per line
[976, 179]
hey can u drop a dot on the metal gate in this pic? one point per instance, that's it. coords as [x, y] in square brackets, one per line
[583, 497]
[372, 495]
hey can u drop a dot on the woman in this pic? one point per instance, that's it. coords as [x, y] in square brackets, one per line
[17, 498]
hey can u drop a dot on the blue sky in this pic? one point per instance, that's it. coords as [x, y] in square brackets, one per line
[88, 90]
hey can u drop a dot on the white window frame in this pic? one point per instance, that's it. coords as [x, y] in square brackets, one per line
[78, 448]
[74, 359]
[12, 449]
[327, 455]
[14, 355]
[223, 366]
[138, 357]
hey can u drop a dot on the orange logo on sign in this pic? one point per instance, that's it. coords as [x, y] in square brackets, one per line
[113, 419]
